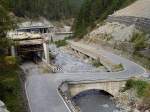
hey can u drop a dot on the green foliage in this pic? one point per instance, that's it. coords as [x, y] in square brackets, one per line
[142, 89]
[118, 67]
[6, 24]
[10, 90]
[96, 63]
[96, 10]
[51, 9]
[129, 84]
[139, 40]
[61, 43]
[144, 61]
[139, 85]
[5, 21]
[147, 96]
[9, 81]
[10, 60]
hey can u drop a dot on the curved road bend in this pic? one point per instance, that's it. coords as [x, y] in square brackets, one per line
[41, 89]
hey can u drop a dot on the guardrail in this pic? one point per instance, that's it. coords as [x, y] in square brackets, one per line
[140, 22]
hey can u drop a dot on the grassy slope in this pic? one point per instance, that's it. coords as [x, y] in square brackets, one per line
[10, 90]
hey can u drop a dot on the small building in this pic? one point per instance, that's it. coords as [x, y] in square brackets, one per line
[30, 45]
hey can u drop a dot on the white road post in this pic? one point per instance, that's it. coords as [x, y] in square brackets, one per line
[13, 53]
[46, 51]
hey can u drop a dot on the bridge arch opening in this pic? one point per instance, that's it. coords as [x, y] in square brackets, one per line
[92, 92]
[94, 100]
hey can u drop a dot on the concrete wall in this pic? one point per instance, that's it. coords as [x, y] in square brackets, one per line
[112, 87]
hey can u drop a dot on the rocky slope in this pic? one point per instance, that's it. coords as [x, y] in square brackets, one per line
[114, 31]
[125, 37]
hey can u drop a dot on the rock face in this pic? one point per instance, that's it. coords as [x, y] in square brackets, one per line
[114, 31]
[120, 27]
[3, 107]
[113, 34]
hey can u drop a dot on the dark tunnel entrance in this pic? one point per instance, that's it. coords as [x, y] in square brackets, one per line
[30, 53]
[30, 56]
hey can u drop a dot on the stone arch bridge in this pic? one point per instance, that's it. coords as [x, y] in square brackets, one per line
[72, 89]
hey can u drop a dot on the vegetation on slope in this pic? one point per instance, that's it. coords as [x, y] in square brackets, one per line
[139, 40]
[140, 86]
[10, 89]
[96, 63]
[61, 43]
[9, 81]
[51, 9]
[96, 10]
[142, 92]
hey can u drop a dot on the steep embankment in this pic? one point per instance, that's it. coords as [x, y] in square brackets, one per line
[126, 33]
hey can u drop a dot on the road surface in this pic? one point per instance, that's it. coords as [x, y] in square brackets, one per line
[41, 89]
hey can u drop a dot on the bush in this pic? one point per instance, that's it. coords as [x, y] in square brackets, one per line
[139, 41]
[139, 85]
[129, 84]
[61, 43]
[10, 90]
[147, 95]
[96, 63]
[10, 60]
[5, 90]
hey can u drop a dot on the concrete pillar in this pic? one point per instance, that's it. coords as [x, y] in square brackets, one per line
[13, 53]
[46, 52]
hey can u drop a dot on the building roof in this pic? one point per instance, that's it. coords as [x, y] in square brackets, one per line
[30, 42]
[33, 25]
[24, 36]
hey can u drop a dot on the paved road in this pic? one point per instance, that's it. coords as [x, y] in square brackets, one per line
[41, 89]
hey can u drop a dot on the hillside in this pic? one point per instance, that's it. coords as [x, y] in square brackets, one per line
[51, 9]
[128, 35]
[93, 11]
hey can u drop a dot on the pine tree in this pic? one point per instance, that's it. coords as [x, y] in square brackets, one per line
[95, 10]
[5, 25]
